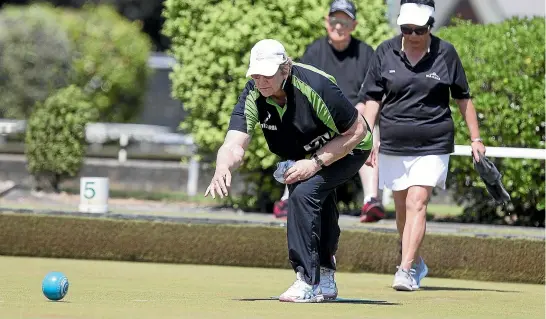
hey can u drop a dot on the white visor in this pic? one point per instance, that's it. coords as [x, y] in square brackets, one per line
[265, 58]
[416, 14]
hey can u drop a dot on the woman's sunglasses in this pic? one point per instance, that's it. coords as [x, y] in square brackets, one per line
[419, 30]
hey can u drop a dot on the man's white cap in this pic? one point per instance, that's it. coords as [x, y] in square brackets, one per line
[265, 57]
[413, 13]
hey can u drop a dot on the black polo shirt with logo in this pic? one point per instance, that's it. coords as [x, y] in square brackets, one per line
[316, 111]
[415, 118]
[348, 67]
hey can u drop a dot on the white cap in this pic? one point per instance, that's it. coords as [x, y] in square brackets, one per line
[265, 57]
[413, 13]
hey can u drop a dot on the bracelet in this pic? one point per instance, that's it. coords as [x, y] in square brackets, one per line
[477, 140]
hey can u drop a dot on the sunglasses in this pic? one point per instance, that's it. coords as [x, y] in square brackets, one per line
[344, 22]
[419, 30]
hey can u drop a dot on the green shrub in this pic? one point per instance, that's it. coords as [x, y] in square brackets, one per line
[93, 47]
[504, 64]
[55, 136]
[35, 55]
[211, 40]
[111, 60]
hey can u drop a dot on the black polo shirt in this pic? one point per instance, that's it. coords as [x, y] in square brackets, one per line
[415, 117]
[348, 67]
[316, 111]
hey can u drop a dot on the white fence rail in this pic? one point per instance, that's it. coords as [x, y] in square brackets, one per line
[100, 133]
[508, 152]
[504, 152]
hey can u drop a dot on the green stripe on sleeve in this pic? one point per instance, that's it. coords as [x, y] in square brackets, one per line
[312, 68]
[317, 102]
[251, 111]
[367, 143]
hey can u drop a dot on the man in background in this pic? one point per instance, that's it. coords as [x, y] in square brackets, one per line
[346, 58]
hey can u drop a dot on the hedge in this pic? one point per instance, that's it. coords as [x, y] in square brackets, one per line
[35, 55]
[504, 64]
[44, 48]
[111, 60]
[55, 137]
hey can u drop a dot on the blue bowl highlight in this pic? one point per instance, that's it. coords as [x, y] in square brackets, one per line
[55, 285]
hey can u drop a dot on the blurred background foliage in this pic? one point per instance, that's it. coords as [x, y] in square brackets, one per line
[506, 78]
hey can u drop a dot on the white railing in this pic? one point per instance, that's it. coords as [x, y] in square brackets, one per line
[100, 133]
[491, 151]
[161, 61]
[511, 152]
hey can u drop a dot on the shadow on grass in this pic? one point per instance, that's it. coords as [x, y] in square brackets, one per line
[338, 300]
[435, 288]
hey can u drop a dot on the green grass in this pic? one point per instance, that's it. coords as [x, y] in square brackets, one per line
[102, 289]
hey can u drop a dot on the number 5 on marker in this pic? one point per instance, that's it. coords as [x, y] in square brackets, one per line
[88, 190]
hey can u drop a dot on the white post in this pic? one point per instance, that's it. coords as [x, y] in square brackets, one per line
[122, 156]
[193, 176]
[94, 193]
[123, 142]
[387, 196]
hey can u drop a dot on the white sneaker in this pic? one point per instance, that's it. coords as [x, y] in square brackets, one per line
[421, 270]
[328, 283]
[300, 291]
[403, 280]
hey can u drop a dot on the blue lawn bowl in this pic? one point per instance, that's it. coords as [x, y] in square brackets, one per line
[55, 286]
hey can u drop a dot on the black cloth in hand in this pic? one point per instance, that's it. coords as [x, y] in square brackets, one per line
[492, 179]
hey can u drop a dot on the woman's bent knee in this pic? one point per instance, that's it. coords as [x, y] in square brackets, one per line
[417, 199]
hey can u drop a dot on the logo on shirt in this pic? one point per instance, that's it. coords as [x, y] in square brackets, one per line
[433, 75]
[319, 142]
[266, 126]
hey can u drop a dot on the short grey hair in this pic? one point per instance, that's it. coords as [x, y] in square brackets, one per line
[286, 66]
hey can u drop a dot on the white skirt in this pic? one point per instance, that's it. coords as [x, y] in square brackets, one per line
[398, 173]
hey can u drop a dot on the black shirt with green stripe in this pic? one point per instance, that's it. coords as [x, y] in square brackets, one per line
[316, 111]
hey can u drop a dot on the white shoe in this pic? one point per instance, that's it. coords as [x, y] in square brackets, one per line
[328, 283]
[403, 280]
[421, 270]
[300, 291]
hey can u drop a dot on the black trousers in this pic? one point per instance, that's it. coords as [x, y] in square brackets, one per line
[312, 225]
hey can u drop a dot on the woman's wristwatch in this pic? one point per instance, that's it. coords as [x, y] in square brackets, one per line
[478, 139]
[318, 160]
